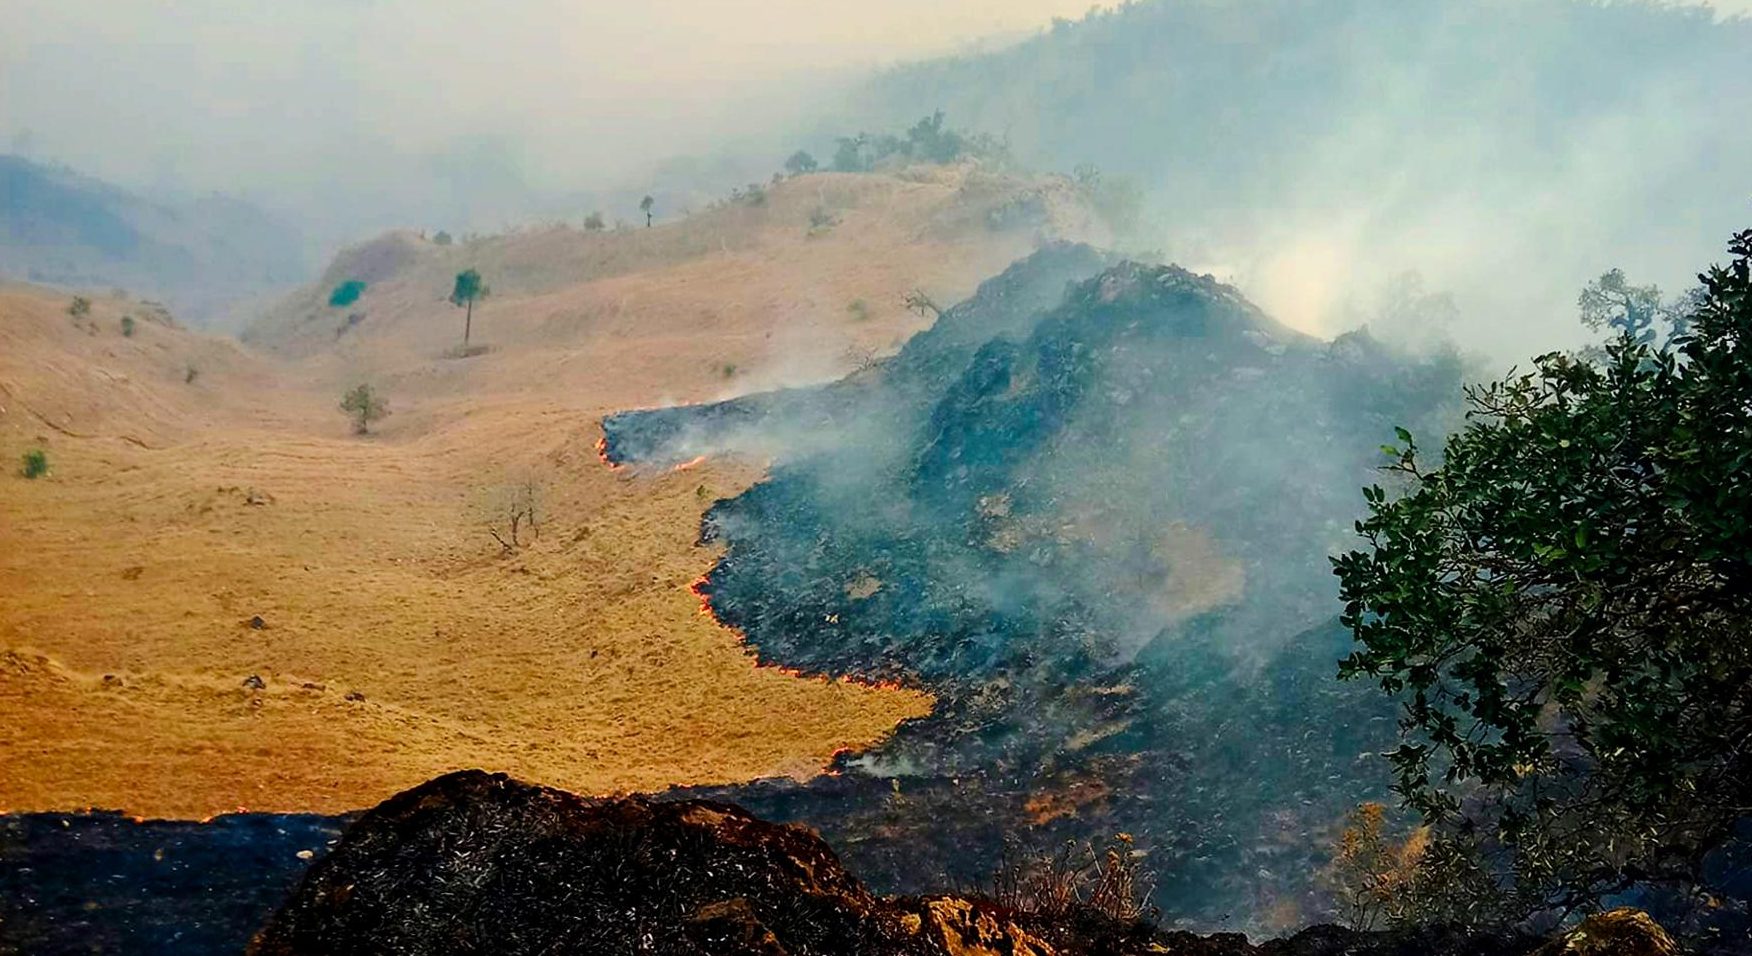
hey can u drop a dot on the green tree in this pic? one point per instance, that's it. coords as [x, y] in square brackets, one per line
[346, 293]
[800, 163]
[1563, 604]
[468, 290]
[645, 206]
[365, 406]
[1611, 302]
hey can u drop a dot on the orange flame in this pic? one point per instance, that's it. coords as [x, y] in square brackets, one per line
[684, 466]
[602, 453]
[697, 587]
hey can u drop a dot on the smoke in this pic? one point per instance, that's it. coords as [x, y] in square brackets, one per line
[1090, 510]
[360, 115]
[1509, 151]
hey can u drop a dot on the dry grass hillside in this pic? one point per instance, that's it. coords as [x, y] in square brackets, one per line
[219, 597]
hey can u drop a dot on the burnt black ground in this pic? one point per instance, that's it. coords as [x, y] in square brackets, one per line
[1001, 513]
[480, 863]
[103, 883]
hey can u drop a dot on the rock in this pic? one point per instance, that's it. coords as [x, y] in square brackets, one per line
[477, 862]
[255, 682]
[355, 696]
[1620, 932]
[256, 623]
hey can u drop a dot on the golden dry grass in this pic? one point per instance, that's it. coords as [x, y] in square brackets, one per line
[400, 642]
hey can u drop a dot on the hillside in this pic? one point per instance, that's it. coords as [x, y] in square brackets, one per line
[202, 256]
[219, 598]
[1092, 520]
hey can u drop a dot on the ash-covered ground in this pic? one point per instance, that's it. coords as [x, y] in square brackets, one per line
[1091, 511]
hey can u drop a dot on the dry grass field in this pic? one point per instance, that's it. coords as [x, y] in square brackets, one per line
[219, 597]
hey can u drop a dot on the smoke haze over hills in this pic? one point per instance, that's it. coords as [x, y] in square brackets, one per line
[1308, 152]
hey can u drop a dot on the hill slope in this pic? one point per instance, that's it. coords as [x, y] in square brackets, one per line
[1096, 531]
[396, 638]
[201, 256]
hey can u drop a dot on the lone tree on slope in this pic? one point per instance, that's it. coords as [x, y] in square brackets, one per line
[645, 206]
[366, 406]
[468, 289]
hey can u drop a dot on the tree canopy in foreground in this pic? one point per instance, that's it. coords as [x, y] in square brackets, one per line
[1564, 604]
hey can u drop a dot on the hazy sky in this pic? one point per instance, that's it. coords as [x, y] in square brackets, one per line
[234, 95]
[354, 115]
[259, 95]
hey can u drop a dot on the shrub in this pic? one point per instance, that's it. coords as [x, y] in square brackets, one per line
[594, 223]
[1372, 877]
[858, 309]
[800, 163]
[346, 293]
[443, 238]
[190, 374]
[754, 194]
[1111, 880]
[80, 306]
[365, 406]
[127, 326]
[36, 463]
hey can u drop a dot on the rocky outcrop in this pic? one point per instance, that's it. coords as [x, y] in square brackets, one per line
[476, 863]
[1619, 932]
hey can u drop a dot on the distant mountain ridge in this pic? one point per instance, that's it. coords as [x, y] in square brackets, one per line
[60, 227]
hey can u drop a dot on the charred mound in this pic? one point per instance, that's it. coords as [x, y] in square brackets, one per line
[1090, 511]
[474, 863]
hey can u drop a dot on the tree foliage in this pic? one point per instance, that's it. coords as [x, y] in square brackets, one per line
[1563, 606]
[346, 293]
[930, 140]
[465, 292]
[365, 406]
[1612, 303]
[800, 163]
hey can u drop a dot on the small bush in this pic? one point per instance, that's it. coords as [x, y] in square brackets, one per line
[753, 194]
[127, 326]
[1111, 881]
[36, 463]
[79, 307]
[364, 406]
[821, 220]
[594, 223]
[858, 309]
[190, 374]
[346, 293]
[1373, 877]
[443, 238]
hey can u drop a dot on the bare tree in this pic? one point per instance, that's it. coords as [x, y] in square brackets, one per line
[513, 513]
[918, 301]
